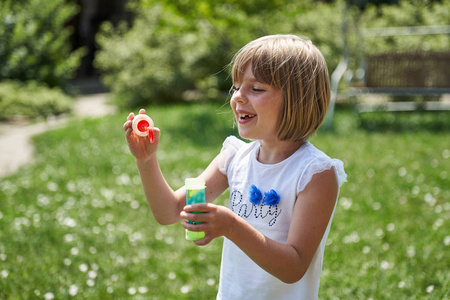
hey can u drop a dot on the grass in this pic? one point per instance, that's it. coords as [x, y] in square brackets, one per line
[75, 223]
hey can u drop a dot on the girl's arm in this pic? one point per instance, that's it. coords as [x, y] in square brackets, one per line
[288, 262]
[165, 203]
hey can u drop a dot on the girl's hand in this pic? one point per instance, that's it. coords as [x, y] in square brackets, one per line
[216, 220]
[140, 146]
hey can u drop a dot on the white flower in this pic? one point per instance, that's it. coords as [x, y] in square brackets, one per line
[69, 222]
[185, 289]
[83, 268]
[447, 240]
[49, 296]
[92, 274]
[74, 251]
[386, 265]
[351, 238]
[390, 227]
[68, 238]
[346, 203]
[73, 290]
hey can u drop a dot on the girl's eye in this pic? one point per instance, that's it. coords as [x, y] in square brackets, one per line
[257, 90]
[254, 89]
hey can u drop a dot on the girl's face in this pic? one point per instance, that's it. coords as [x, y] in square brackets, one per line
[256, 107]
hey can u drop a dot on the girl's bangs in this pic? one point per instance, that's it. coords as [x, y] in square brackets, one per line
[261, 61]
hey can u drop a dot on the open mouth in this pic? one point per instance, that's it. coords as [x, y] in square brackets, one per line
[246, 116]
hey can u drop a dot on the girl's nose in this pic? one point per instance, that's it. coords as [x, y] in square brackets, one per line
[238, 97]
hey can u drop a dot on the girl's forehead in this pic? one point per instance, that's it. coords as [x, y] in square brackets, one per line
[245, 73]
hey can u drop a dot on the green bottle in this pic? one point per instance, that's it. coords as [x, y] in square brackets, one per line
[195, 193]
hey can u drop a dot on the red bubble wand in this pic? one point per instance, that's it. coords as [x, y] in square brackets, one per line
[143, 126]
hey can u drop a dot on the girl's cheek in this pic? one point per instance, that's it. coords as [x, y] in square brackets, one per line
[233, 103]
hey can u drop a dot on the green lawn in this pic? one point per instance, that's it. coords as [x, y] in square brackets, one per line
[75, 223]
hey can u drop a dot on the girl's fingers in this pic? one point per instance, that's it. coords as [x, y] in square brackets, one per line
[198, 228]
[127, 125]
[194, 227]
[188, 216]
[130, 118]
[201, 207]
[203, 242]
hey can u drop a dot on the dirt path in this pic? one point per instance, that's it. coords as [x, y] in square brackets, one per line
[16, 148]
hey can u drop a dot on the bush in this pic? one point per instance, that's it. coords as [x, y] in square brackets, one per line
[163, 55]
[182, 45]
[174, 47]
[144, 64]
[34, 41]
[31, 100]
[407, 13]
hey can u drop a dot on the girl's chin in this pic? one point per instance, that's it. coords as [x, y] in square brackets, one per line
[246, 135]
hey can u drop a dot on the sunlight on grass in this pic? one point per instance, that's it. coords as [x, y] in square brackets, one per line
[75, 223]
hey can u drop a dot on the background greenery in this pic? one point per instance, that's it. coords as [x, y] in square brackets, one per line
[187, 45]
[34, 41]
[175, 51]
[36, 58]
[407, 13]
[76, 223]
[31, 99]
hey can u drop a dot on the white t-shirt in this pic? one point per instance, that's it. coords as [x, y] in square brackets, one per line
[240, 277]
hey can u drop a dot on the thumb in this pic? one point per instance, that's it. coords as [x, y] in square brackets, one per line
[156, 134]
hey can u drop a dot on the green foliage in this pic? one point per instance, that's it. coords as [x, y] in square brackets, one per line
[174, 47]
[407, 13]
[145, 63]
[79, 212]
[405, 121]
[31, 99]
[34, 41]
[362, 4]
[323, 26]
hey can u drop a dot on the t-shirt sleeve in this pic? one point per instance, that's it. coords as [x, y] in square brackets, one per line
[321, 164]
[229, 148]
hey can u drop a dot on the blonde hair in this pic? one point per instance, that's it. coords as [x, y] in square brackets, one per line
[298, 69]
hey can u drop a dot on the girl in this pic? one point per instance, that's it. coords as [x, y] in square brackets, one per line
[283, 190]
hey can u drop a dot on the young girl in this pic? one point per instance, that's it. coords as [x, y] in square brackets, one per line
[283, 190]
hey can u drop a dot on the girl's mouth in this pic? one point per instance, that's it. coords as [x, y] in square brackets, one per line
[246, 117]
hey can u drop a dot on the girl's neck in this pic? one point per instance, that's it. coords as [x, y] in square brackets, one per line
[275, 152]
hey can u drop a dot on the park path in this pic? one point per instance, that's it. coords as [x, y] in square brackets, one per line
[16, 148]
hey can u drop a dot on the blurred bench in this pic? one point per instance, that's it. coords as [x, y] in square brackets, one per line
[409, 81]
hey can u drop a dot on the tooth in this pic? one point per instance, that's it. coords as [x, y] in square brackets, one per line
[246, 116]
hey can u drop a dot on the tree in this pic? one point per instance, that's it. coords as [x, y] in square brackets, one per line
[34, 41]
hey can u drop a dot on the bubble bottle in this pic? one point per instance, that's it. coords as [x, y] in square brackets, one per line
[195, 193]
[143, 126]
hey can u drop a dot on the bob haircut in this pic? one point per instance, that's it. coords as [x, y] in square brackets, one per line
[297, 68]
